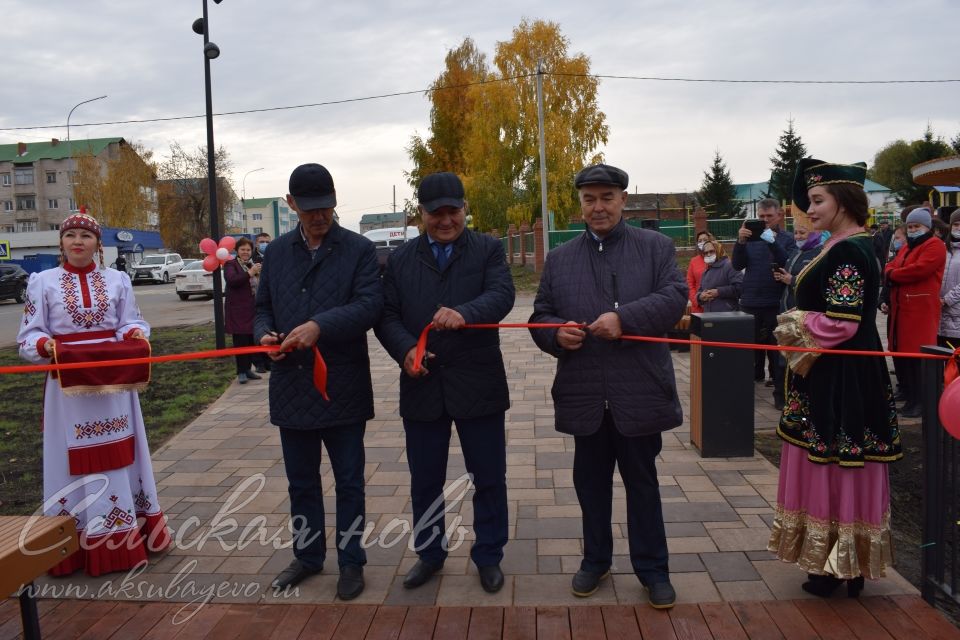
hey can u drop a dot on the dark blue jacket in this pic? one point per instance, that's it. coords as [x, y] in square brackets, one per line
[757, 257]
[633, 272]
[467, 378]
[339, 288]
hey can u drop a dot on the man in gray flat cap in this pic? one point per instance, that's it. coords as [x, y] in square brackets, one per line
[614, 397]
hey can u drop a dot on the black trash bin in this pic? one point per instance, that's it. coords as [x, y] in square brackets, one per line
[721, 385]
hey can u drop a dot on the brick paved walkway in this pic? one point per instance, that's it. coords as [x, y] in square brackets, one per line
[717, 511]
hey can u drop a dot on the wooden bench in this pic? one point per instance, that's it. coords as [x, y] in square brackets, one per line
[29, 547]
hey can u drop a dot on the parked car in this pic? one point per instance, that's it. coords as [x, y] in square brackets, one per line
[159, 267]
[194, 280]
[13, 282]
[386, 240]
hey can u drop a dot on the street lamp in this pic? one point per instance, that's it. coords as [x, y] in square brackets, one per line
[243, 188]
[211, 51]
[72, 169]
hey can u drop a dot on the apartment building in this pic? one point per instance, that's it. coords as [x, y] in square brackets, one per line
[268, 215]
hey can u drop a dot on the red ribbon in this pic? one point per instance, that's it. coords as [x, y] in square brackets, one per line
[319, 365]
[422, 343]
[320, 373]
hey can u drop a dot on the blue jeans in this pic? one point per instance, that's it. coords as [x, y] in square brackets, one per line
[301, 457]
[593, 462]
[483, 441]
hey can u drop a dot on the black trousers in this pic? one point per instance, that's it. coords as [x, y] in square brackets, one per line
[242, 340]
[593, 462]
[764, 322]
[301, 459]
[483, 441]
[908, 375]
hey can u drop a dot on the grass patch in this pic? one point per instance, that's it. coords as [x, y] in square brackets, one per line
[524, 280]
[178, 392]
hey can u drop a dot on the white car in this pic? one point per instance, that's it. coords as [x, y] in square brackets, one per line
[194, 280]
[159, 267]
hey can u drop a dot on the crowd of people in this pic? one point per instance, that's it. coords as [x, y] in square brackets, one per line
[820, 286]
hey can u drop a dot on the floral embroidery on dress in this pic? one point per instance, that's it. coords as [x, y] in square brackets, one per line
[845, 287]
[73, 303]
[846, 447]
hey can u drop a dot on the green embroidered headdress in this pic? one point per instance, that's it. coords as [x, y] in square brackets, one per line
[812, 173]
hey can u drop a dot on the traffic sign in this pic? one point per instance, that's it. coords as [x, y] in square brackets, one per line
[4, 249]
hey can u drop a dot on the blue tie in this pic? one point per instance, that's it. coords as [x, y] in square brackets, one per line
[442, 257]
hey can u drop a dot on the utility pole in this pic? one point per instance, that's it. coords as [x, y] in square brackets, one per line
[543, 161]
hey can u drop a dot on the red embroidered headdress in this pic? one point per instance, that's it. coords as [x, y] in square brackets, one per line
[82, 220]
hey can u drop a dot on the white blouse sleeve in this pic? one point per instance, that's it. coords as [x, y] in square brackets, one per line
[128, 313]
[34, 326]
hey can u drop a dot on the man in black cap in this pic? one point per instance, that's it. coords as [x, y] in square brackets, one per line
[451, 276]
[320, 286]
[614, 397]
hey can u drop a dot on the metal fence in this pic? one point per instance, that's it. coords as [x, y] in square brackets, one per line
[940, 562]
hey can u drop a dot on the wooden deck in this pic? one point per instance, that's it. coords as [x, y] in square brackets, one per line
[877, 618]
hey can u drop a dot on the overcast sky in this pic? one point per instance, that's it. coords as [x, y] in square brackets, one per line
[145, 57]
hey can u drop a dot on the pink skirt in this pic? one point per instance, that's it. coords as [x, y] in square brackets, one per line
[831, 519]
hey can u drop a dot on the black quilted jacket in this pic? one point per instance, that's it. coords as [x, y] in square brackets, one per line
[633, 272]
[467, 377]
[340, 289]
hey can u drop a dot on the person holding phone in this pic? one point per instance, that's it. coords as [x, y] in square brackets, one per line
[760, 244]
[720, 285]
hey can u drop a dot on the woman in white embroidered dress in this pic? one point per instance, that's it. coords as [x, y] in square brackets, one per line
[96, 464]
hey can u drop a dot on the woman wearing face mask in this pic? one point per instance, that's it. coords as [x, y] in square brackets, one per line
[914, 277]
[96, 463]
[695, 271]
[242, 276]
[949, 333]
[839, 425]
[720, 284]
[809, 243]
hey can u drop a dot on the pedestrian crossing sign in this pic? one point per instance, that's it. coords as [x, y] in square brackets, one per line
[4, 249]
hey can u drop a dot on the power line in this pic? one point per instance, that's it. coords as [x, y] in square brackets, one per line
[734, 81]
[491, 81]
[282, 108]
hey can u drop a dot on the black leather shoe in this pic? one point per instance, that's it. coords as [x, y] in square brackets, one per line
[822, 586]
[585, 583]
[420, 573]
[293, 575]
[854, 587]
[350, 584]
[491, 578]
[662, 595]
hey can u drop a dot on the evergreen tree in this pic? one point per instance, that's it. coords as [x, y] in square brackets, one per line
[790, 151]
[717, 194]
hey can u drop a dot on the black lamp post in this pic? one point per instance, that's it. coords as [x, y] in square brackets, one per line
[210, 51]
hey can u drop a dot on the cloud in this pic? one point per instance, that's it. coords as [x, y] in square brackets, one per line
[149, 62]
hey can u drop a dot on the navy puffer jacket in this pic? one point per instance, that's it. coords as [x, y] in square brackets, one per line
[339, 288]
[467, 377]
[634, 273]
[756, 258]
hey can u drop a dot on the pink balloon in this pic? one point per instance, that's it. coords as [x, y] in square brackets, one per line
[210, 263]
[950, 408]
[208, 246]
[222, 255]
[228, 243]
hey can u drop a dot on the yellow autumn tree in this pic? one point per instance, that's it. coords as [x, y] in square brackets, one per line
[496, 131]
[119, 189]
